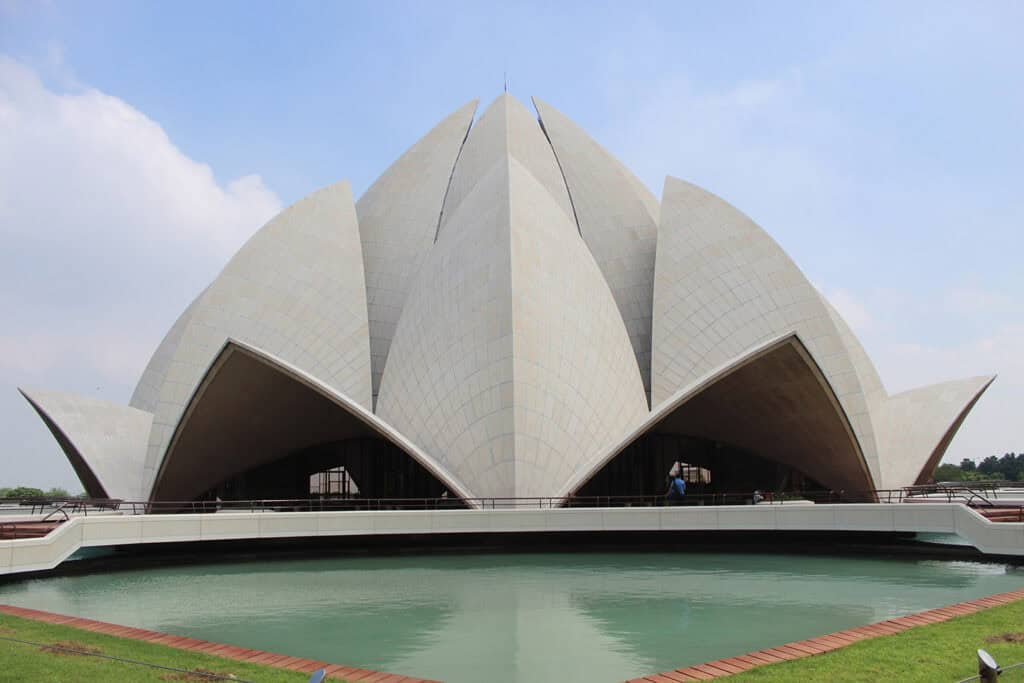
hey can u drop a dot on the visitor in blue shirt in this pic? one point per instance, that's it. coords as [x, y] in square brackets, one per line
[676, 491]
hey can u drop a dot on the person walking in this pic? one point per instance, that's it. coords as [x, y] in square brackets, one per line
[677, 489]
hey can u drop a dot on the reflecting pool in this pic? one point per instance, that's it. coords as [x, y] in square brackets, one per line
[523, 617]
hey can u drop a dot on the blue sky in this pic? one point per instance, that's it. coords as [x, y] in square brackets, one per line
[141, 143]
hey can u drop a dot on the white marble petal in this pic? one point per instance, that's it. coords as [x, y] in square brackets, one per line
[618, 219]
[105, 442]
[398, 220]
[295, 289]
[510, 342]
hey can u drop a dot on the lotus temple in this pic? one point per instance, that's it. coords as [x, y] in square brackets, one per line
[507, 313]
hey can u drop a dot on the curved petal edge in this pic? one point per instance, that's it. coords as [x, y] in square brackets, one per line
[723, 285]
[398, 220]
[105, 442]
[297, 289]
[774, 395]
[235, 406]
[917, 426]
[618, 219]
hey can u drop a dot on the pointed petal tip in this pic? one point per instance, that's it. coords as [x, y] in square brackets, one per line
[468, 107]
[539, 104]
[506, 100]
[985, 381]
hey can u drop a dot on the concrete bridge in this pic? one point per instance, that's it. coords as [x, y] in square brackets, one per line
[105, 530]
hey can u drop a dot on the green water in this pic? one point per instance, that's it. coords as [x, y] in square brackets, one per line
[568, 617]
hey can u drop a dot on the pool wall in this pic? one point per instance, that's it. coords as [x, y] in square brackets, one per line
[40, 554]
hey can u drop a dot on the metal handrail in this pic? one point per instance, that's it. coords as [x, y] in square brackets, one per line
[327, 503]
[61, 509]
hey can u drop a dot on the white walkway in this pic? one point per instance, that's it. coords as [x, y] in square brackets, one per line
[96, 531]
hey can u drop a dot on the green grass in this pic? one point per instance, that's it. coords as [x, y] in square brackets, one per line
[930, 654]
[20, 662]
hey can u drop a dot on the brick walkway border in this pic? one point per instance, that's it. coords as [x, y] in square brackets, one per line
[827, 643]
[241, 654]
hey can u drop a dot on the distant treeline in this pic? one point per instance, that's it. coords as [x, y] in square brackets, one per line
[1009, 467]
[30, 492]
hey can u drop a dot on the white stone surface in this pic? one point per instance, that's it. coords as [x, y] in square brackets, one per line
[297, 290]
[618, 219]
[505, 130]
[398, 220]
[722, 286]
[510, 342]
[916, 426]
[5, 557]
[147, 391]
[870, 381]
[107, 438]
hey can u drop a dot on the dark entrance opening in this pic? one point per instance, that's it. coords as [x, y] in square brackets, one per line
[363, 468]
[715, 468]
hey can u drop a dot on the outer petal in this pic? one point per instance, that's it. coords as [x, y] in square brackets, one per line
[105, 442]
[912, 429]
[916, 426]
[259, 408]
[772, 400]
[510, 344]
[617, 218]
[147, 391]
[870, 381]
[398, 220]
[723, 286]
[296, 289]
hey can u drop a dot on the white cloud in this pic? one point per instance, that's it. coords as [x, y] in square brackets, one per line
[109, 230]
[94, 193]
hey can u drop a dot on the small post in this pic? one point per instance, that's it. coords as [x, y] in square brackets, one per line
[988, 670]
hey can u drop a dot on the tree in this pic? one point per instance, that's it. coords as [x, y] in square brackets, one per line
[967, 465]
[1011, 465]
[24, 492]
[33, 492]
[989, 465]
[949, 472]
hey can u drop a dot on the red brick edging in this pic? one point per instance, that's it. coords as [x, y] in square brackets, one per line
[241, 654]
[826, 643]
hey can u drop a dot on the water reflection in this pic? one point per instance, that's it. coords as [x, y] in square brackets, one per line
[575, 617]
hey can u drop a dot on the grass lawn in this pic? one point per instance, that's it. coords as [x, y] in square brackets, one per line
[930, 654]
[19, 662]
